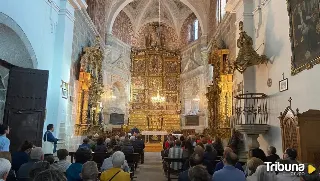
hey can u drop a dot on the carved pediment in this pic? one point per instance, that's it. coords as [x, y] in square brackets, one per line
[247, 55]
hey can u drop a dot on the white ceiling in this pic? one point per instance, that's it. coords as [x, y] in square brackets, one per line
[173, 12]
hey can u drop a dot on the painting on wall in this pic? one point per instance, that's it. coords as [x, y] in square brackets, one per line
[304, 34]
[283, 85]
[64, 89]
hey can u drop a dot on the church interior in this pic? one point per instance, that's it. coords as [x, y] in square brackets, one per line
[156, 68]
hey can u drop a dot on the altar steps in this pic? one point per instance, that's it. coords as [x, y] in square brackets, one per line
[153, 147]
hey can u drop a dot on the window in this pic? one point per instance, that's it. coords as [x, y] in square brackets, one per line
[221, 9]
[196, 28]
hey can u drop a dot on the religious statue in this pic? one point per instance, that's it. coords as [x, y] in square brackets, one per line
[247, 56]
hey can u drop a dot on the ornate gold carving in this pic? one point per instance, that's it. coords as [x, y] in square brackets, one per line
[163, 68]
[90, 88]
[247, 56]
[219, 94]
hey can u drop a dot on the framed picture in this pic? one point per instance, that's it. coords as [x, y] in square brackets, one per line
[283, 85]
[64, 89]
[304, 34]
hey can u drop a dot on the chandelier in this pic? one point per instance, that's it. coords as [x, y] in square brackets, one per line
[158, 98]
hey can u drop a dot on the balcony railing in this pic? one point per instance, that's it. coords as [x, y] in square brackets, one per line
[251, 109]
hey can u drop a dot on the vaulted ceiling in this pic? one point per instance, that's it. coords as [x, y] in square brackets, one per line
[173, 12]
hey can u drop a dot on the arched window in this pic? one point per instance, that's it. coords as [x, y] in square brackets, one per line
[221, 9]
[196, 29]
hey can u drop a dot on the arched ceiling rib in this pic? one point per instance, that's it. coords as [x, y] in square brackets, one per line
[173, 12]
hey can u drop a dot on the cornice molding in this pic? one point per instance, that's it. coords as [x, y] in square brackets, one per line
[89, 21]
[78, 4]
[53, 5]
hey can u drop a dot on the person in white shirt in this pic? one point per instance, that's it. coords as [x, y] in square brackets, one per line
[107, 163]
[5, 167]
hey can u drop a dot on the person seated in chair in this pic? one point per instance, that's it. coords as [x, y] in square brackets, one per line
[107, 163]
[138, 145]
[176, 152]
[195, 159]
[62, 165]
[116, 173]
[127, 147]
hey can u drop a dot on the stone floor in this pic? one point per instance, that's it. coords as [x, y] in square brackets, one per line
[151, 170]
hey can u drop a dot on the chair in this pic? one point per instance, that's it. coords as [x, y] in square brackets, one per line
[132, 160]
[169, 170]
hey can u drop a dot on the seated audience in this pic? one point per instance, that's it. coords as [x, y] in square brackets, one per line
[165, 152]
[12, 174]
[199, 173]
[253, 164]
[89, 171]
[258, 153]
[220, 165]
[217, 145]
[62, 165]
[82, 155]
[210, 153]
[272, 154]
[291, 155]
[49, 159]
[50, 175]
[101, 147]
[116, 173]
[85, 144]
[107, 141]
[22, 156]
[261, 174]
[183, 141]
[107, 163]
[176, 152]
[229, 172]
[36, 155]
[197, 150]
[5, 167]
[286, 176]
[195, 159]
[201, 144]
[127, 147]
[188, 149]
[139, 147]
[37, 168]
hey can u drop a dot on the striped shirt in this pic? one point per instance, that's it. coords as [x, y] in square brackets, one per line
[176, 152]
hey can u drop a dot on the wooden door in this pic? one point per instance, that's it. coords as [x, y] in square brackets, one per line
[26, 105]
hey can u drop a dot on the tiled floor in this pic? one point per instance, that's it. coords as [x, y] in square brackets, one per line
[151, 170]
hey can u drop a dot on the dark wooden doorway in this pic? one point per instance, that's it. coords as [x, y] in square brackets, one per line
[25, 106]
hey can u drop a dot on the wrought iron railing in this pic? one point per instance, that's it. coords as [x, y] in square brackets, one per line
[250, 108]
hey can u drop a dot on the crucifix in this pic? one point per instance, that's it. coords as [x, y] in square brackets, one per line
[282, 76]
[290, 100]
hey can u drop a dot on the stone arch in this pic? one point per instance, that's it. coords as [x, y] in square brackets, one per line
[18, 39]
[115, 12]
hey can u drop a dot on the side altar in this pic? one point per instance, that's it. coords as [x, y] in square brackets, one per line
[155, 80]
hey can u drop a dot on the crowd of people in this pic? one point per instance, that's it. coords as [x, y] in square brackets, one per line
[201, 159]
[206, 160]
[33, 163]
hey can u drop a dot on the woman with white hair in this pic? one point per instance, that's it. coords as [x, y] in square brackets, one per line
[5, 167]
[116, 173]
[261, 174]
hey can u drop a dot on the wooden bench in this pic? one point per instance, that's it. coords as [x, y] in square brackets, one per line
[169, 170]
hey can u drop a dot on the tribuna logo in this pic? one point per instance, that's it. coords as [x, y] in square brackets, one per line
[278, 167]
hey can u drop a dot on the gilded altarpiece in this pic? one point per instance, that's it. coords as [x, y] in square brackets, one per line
[155, 70]
[89, 91]
[219, 94]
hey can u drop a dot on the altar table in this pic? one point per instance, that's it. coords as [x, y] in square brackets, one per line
[154, 136]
